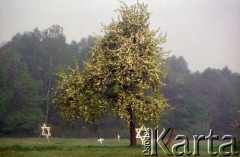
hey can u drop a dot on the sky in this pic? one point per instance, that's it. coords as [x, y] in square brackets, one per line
[205, 32]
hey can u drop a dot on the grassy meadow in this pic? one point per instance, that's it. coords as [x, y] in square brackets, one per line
[67, 147]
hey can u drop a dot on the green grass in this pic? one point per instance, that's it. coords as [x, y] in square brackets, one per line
[67, 147]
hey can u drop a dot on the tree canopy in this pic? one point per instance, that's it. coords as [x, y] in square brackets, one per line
[123, 73]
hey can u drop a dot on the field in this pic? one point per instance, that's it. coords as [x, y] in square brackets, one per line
[67, 147]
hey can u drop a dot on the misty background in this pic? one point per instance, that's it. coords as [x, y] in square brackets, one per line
[205, 33]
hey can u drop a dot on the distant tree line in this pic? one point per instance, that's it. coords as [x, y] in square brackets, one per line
[201, 101]
[29, 62]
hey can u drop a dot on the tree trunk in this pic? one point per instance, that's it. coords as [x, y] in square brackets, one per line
[48, 93]
[171, 137]
[133, 140]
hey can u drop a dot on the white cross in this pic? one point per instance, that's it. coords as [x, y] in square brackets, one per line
[100, 140]
[44, 127]
[118, 137]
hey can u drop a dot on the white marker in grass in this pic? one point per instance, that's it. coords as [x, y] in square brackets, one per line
[100, 140]
[45, 128]
[118, 137]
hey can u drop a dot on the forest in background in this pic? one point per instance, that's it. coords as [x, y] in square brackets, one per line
[200, 100]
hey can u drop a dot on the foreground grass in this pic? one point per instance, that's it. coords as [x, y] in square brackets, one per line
[66, 147]
[63, 147]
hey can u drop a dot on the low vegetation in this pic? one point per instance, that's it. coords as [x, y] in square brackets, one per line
[72, 147]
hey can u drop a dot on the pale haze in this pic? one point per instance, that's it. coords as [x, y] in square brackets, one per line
[205, 32]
